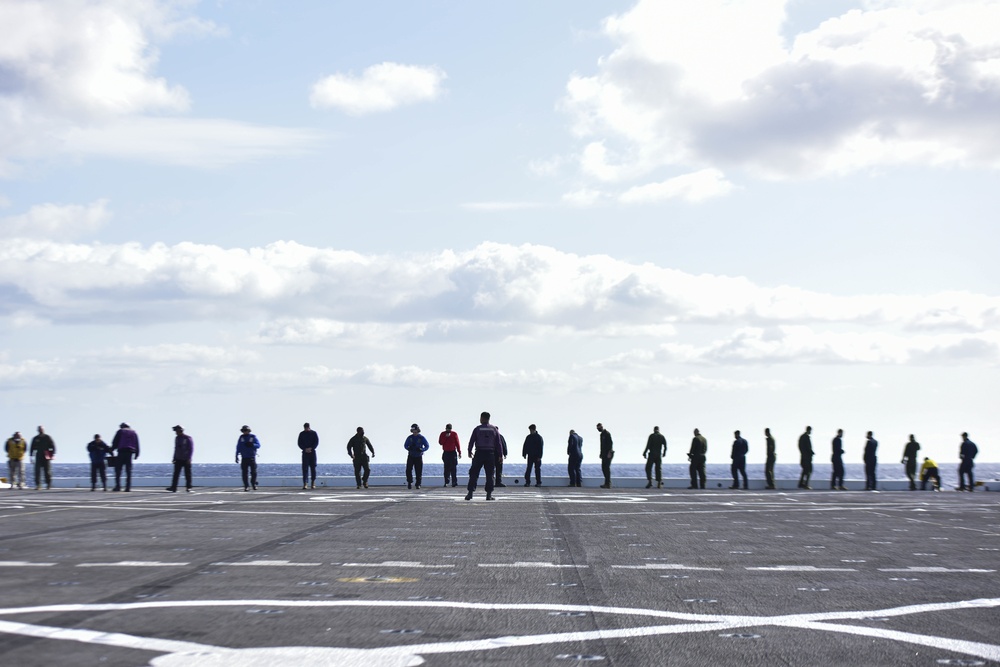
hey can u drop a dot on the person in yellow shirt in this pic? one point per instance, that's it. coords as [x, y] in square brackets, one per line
[16, 449]
[929, 470]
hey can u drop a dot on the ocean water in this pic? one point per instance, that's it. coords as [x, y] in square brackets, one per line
[515, 468]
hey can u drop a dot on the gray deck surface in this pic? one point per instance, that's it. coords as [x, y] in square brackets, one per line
[541, 576]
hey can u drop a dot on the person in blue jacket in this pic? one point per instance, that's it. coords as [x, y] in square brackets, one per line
[246, 449]
[739, 457]
[415, 446]
[98, 451]
[966, 452]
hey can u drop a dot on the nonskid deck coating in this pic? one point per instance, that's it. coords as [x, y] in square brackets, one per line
[541, 576]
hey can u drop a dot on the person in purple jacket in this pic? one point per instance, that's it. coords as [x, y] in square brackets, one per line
[126, 446]
[183, 453]
[483, 447]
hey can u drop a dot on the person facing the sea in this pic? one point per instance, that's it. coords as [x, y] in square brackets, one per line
[484, 443]
[308, 442]
[574, 450]
[910, 460]
[451, 452]
[246, 449]
[837, 481]
[498, 464]
[656, 449]
[739, 457]
[98, 451]
[871, 461]
[126, 445]
[607, 453]
[183, 453]
[697, 455]
[357, 449]
[929, 470]
[415, 445]
[16, 448]
[966, 453]
[805, 458]
[532, 452]
[43, 450]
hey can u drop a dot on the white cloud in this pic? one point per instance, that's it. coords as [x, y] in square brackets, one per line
[381, 87]
[306, 295]
[715, 83]
[189, 142]
[56, 221]
[694, 187]
[584, 197]
[494, 206]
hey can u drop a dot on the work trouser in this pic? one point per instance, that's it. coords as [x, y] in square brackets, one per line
[536, 462]
[498, 469]
[964, 469]
[248, 469]
[606, 469]
[697, 470]
[43, 464]
[98, 470]
[16, 467]
[309, 468]
[807, 471]
[179, 465]
[480, 460]
[870, 466]
[739, 467]
[450, 468]
[124, 460]
[575, 474]
[837, 480]
[930, 473]
[361, 464]
[414, 464]
[769, 471]
[652, 463]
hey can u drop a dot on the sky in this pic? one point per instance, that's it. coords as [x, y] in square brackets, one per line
[719, 215]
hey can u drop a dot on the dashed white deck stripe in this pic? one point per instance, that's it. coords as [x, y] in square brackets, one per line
[801, 568]
[267, 563]
[133, 563]
[665, 566]
[533, 564]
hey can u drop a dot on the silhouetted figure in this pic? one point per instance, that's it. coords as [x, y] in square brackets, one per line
[910, 460]
[739, 457]
[697, 455]
[837, 481]
[656, 449]
[183, 454]
[308, 442]
[98, 451]
[498, 465]
[871, 461]
[357, 448]
[43, 450]
[574, 450]
[532, 452]
[966, 453]
[769, 462]
[607, 453]
[805, 458]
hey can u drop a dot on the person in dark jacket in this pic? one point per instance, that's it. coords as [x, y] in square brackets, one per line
[656, 449]
[308, 442]
[483, 447]
[183, 453]
[871, 461]
[769, 462]
[966, 453]
[739, 457]
[125, 444]
[910, 461]
[246, 455]
[415, 445]
[607, 453]
[697, 455]
[501, 453]
[805, 458]
[43, 450]
[532, 451]
[574, 450]
[357, 448]
[837, 480]
[98, 451]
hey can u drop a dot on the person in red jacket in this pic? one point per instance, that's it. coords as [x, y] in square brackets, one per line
[452, 452]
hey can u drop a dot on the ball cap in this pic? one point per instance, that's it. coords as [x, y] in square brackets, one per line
[178, 428]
